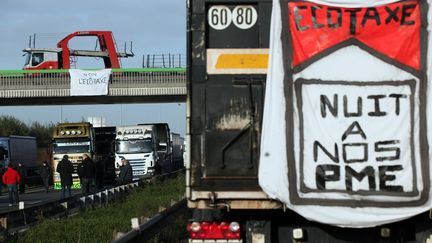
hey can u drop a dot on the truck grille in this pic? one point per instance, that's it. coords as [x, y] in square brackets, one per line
[138, 167]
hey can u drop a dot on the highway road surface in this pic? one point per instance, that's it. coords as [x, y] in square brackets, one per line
[31, 197]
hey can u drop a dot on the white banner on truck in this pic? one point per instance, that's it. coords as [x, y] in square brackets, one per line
[345, 129]
[89, 83]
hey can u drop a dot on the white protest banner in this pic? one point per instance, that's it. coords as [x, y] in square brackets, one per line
[345, 127]
[89, 83]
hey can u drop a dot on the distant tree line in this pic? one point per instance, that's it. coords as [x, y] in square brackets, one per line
[10, 125]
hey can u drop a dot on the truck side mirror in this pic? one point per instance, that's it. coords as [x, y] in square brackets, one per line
[3, 153]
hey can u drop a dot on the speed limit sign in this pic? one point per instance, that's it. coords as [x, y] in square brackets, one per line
[242, 16]
[219, 17]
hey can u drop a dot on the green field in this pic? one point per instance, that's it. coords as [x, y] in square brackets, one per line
[102, 224]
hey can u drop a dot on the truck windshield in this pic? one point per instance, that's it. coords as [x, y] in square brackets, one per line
[27, 61]
[71, 146]
[134, 146]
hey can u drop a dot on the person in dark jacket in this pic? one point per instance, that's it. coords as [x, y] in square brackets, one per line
[87, 173]
[22, 171]
[65, 168]
[79, 172]
[11, 179]
[45, 173]
[125, 175]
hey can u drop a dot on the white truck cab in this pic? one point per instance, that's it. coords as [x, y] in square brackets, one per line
[137, 145]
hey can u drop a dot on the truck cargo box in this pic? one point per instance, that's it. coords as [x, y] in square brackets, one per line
[226, 85]
[287, 172]
[21, 149]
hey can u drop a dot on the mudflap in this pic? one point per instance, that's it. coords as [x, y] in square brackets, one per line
[258, 231]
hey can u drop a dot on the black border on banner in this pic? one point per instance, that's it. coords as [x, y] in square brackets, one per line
[289, 71]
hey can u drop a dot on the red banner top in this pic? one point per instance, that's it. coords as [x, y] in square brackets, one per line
[392, 30]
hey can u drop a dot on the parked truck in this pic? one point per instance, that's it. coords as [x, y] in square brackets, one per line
[63, 57]
[164, 145]
[20, 149]
[105, 154]
[323, 140]
[138, 145]
[74, 140]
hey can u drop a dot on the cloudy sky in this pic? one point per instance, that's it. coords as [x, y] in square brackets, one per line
[154, 27]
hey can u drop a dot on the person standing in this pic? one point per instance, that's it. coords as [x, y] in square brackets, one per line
[22, 171]
[79, 172]
[87, 173]
[125, 175]
[65, 168]
[45, 173]
[11, 179]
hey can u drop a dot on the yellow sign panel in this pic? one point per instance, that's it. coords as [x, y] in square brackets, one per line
[237, 61]
[242, 61]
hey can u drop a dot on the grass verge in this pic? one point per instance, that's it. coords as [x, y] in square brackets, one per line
[101, 225]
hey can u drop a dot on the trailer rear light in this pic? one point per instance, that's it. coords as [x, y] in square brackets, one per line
[213, 230]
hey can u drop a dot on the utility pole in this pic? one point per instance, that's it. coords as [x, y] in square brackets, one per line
[61, 113]
[121, 114]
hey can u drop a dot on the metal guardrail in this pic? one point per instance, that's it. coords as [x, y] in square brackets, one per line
[21, 220]
[17, 221]
[61, 80]
[114, 70]
[154, 225]
[164, 61]
[123, 82]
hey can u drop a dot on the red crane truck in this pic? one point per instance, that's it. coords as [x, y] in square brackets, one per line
[62, 56]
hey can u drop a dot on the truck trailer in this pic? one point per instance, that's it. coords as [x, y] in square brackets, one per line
[105, 155]
[307, 121]
[20, 149]
[164, 145]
